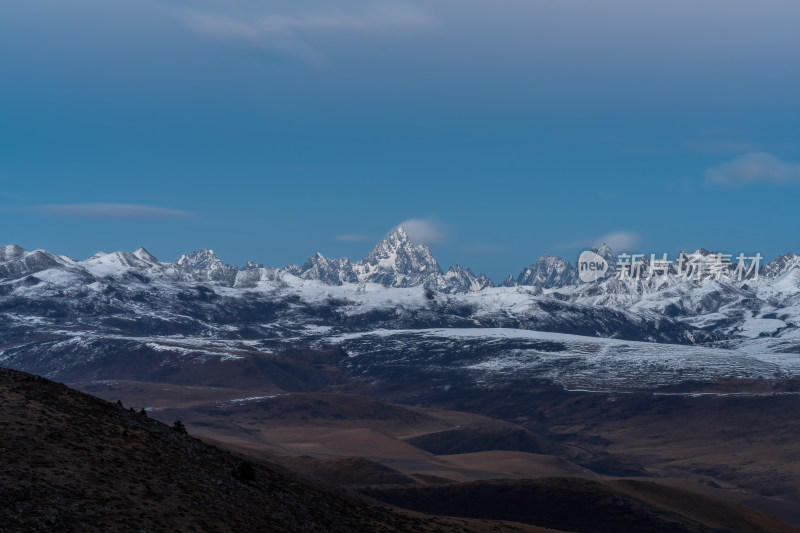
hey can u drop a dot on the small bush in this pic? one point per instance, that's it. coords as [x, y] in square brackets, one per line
[245, 472]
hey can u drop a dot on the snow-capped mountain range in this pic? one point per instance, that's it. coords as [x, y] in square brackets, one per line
[394, 262]
[71, 319]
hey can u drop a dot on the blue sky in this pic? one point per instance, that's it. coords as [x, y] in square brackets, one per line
[502, 129]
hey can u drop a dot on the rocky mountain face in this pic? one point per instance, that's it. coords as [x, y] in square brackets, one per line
[551, 272]
[16, 262]
[394, 262]
[202, 260]
[330, 271]
[548, 272]
[781, 265]
[456, 279]
[608, 254]
[397, 262]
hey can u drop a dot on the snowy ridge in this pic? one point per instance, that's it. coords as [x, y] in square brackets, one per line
[497, 354]
[396, 307]
[394, 262]
[548, 272]
[202, 260]
[63, 318]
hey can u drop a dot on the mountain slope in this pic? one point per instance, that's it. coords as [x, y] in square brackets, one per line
[202, 260]
[583, 505]
[330, 271]
[397, 262]
[548, 272]
[394, 262]
[72, 462]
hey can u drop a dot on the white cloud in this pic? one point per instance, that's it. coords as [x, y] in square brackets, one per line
[293, 34]
[751, 168]
[424, 231]
[108, 211]
[620, 241]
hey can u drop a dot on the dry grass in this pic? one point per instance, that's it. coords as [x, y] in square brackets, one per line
[73, 462]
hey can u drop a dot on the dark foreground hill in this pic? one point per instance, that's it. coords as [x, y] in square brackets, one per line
[585, 505]
[73, 462]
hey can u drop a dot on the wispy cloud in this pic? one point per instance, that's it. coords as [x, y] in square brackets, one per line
[109, 211]
[424, 231]
[752, 168]
[293, 34]
[618, 241]
[352, 237]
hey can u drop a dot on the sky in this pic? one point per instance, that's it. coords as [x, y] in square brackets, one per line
[495, 131]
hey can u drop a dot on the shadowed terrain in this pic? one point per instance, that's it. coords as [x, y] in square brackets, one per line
[73, 462]
[583, 505]
[683, 442]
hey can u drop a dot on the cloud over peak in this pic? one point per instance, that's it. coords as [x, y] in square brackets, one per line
[619, 241]
[424, 231]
